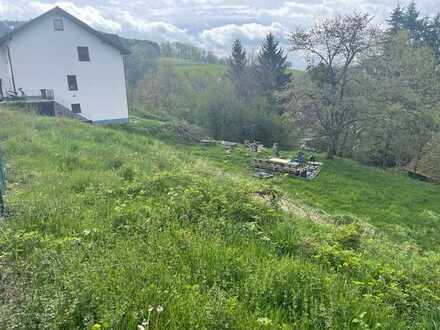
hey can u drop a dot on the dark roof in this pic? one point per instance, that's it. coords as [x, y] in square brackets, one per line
[111, 39]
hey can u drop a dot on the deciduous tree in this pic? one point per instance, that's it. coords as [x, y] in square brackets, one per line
[333, 48]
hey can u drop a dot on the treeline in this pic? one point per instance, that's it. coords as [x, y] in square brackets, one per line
[144, 58]
[142, 61]
[237, 105]
[367, 93]
[422, 31]
[189, 52]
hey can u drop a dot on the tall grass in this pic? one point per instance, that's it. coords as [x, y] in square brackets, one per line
[109, 229]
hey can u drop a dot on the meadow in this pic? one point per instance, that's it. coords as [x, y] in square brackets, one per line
[120, 227]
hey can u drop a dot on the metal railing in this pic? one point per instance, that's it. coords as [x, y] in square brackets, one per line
[29, 95]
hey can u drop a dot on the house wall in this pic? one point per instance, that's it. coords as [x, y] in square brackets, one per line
[5, 75]
[42, 58]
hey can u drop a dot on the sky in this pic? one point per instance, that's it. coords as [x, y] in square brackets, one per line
[210, 24]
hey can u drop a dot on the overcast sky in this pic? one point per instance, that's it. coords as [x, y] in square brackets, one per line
[211, 24]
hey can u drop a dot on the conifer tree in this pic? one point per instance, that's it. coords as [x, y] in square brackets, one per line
[238, 69]
[411, 17]
[414, 23]
[237, 62]
[435, 28]
[396, 20]
[272, 66]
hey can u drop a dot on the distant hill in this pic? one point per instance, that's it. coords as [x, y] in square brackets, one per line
[181, 65]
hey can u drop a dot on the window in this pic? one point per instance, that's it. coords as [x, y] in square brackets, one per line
[72, 83]
[76, 108]
[83, 54]
[58, 24]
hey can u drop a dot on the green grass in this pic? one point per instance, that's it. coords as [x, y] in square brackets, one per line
[399, 205]
[184, 66]
[105, 224]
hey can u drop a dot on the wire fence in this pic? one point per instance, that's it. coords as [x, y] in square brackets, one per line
[2, 186]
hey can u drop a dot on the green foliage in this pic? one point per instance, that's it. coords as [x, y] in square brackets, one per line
[272, 65]
[182, 51]
[402, 90]
[138, 232]
[211, 101]
[423, 31]
[328, 100]
[238, 68]
[142, 61]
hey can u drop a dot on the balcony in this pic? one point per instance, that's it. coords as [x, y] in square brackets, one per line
[28, 96]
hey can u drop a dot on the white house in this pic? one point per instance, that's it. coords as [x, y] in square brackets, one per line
[58, 59]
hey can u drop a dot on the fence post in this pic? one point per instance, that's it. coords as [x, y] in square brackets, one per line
[2, 186]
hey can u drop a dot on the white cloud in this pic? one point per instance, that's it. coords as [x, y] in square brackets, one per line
[158, 30]
[224, 35]
[88, 14]
[293, 9]
[220, 39]
[212, 24]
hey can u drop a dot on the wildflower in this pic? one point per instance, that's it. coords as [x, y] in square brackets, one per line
[141, 327]
[159, 309]
[150, 308]
[264, 321]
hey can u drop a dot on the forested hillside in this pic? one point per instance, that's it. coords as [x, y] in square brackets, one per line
[372, 97]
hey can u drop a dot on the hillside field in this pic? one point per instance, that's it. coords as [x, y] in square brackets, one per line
[112, 227]
[184, 66]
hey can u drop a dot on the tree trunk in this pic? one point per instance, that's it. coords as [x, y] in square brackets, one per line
[332, 148]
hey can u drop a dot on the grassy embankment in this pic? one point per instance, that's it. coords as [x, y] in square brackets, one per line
[184, 66]
[105, 222]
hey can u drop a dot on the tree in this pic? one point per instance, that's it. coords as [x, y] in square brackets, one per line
[163, 92]
[423, 32]
[432, 35]
[271, 66]
[237, 62]
[402, 87]
[412, 21]
[333, 48]
[396, 21]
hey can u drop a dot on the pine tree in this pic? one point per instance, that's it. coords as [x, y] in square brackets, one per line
[434, 41]
[237, 62]
[238, 69]
[272, 66]
[413, 23]
[396, 20]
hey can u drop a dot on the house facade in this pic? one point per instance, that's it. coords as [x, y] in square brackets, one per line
[58, 58]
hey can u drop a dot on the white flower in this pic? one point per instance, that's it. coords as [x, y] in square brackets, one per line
[264, 321]
[141, 327]
[159, 309]
[150, 308]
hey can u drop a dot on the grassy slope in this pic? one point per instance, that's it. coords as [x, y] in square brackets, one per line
[215, 69]
[188, 66]
[107, 221]
[401, 206]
